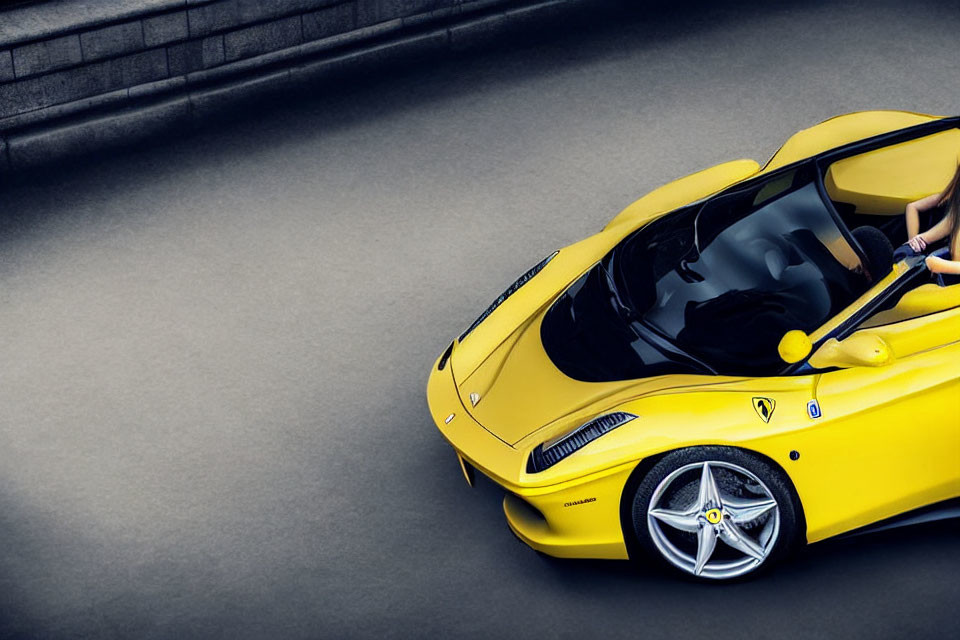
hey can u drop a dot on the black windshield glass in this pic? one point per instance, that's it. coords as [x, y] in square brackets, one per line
[721, 283]
[590, 336]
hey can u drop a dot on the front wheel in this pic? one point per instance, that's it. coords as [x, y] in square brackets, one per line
[715, 513]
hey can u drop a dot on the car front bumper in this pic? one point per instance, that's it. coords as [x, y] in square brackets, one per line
[577, 518]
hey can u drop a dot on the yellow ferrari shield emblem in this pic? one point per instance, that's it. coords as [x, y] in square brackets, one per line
[764, 408]
[713, 516]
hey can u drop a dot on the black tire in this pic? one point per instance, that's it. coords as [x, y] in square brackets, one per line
[791, 528]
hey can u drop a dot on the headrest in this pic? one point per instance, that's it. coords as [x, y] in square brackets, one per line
[876, 249]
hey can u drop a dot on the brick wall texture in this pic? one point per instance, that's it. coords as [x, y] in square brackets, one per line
[61, 61]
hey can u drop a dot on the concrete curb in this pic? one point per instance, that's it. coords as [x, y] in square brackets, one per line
[180, 105]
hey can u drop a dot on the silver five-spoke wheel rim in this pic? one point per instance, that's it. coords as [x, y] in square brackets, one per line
[714, 519]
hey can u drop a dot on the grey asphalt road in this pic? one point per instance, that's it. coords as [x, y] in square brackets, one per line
[214, 350]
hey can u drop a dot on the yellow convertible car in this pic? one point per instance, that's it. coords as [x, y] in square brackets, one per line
[732, 367]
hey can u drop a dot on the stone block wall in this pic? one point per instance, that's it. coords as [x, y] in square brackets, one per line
[69, 67]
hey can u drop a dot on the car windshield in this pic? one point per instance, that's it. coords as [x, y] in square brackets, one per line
[711, 288]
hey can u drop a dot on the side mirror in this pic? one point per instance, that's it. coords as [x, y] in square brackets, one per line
[859, 350]
[794, 346]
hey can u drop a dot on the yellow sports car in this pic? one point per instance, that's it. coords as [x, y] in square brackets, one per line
[732, 367]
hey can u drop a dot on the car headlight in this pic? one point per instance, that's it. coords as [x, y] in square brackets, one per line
[550, 453]
[522, 280]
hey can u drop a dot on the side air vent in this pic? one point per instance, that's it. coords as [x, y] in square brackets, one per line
[544, 457]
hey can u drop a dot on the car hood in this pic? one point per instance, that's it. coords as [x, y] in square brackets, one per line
[518, 390]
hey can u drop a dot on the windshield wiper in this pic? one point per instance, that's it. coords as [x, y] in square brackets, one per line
[647, 334]
[666, 347]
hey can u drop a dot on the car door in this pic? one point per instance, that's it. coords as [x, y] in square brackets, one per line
[890, 433]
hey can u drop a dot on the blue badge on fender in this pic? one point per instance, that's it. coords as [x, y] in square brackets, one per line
[813, 409]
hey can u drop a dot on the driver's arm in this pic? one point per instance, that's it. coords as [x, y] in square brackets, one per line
[940, 265]
[913, 219]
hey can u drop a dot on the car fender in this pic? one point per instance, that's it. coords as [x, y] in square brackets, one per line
[719, 413]
[683, 191]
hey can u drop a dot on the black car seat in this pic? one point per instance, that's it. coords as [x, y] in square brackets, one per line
[877, 251]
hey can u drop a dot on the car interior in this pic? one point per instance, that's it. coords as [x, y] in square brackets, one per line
[871, 191]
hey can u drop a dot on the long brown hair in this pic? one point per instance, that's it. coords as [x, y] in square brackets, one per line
[951, 203]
